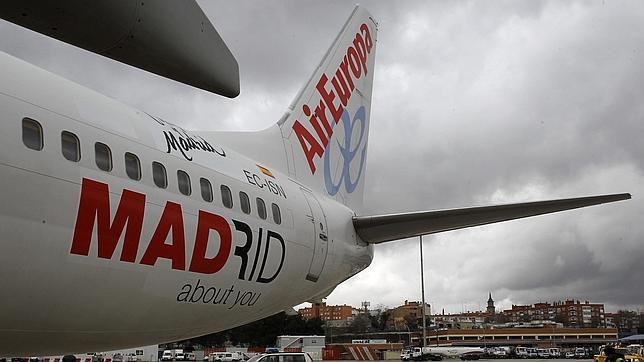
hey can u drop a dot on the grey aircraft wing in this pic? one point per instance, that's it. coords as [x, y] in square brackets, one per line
[171, 38]
[382, 228]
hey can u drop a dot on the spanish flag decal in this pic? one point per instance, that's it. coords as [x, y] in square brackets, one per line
[266, 171]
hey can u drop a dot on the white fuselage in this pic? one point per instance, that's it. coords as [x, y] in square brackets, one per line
[70, 275]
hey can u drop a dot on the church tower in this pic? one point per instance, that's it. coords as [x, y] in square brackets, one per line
[490, 305]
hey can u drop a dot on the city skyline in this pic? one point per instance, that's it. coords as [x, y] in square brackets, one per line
[436, 309]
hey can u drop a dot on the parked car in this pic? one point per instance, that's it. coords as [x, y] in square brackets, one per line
[570, 354]
[95, 357]
[554, 352]
[521, 352]
[168, 355]
[225, 357]
[282, 357]
[543, 353]
[532, 352]
[580, 353]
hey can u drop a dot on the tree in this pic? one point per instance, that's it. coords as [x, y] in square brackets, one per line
[360, 324]
[524, 318]
[502, 318]
[596, 322]
[626, 320]
[383, 319]
[263, 332]
[559, 318]
[411, 321]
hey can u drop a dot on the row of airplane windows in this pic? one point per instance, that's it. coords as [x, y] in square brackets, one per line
[32, 137]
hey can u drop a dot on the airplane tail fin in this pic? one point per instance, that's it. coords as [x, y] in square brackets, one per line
[321, 140]
[326, 127]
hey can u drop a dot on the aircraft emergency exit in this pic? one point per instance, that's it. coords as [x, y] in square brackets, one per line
[119, 228]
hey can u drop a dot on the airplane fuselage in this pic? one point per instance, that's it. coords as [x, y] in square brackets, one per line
[101, 251]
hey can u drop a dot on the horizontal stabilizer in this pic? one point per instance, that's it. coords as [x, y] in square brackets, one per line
[381, 228]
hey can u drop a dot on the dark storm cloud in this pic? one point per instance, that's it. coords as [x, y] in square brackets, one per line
[474, 103]
[512, 104]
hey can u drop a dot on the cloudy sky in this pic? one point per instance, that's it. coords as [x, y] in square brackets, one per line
[475, 103]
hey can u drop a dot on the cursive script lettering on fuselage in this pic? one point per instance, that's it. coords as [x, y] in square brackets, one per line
[177, 139]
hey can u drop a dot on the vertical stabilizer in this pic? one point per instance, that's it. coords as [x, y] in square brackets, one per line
[326, 128]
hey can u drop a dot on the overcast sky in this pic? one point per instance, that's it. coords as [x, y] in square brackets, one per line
[475, 103]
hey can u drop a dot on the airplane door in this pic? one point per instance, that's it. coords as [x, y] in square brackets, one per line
[320, 236]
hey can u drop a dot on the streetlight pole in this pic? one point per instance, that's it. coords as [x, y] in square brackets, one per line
[422, 288]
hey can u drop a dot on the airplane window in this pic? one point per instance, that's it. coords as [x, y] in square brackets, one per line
[32, 134]
[277, 216]
[245, 202]
[206, 190]
[226, 196]
[70, 146]
[132, 166]
[184, 183]
[261, 208]
[103, 156]
[159, 175]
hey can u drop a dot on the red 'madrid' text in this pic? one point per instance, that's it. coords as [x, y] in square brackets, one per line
[94, 218]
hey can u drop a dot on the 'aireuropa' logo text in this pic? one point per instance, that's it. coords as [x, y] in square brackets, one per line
[343, 83]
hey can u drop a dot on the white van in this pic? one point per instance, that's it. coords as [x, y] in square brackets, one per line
[521, 352]
[168, 355]
[554, 352]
